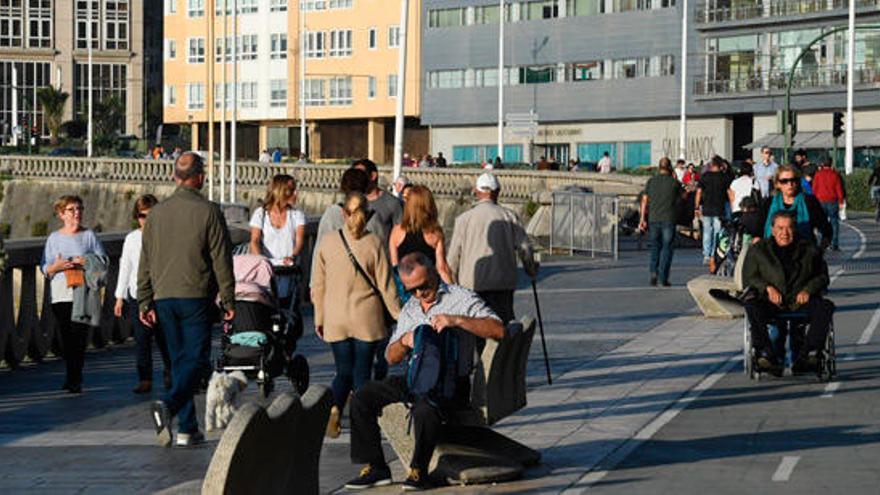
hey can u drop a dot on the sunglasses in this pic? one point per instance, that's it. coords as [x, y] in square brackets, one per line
[73, 209]
[790, 180]
[141, 216]
[424, 287]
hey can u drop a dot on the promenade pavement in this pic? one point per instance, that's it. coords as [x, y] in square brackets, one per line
[625, 412]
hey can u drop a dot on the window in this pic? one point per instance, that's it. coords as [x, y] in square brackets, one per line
[218, 95]
[247, 6]
[542, 9]
[170, 93]
[30, 77]
[538, 74]
[196, 51]
[392, 86]
[466, 154]
[513, 153]
[170, 49]
[636, 154]
[247, 47]
[315, 44]
[309, 5]
[340, 90]
[278, 93]
[314, 92]
[446, 79]
[586, 71]
[195, 96]
[195, 8]
[340, 4]
[584, 7]
[278, 6]
[170, 7]
[108, 81]
[83, 22]
[340, 43]
[39, 23]
[393, 36]
[374, 35]
[371, 87]
[278, 46]
[593, 152]
[438, 18]
[11, 22]
[116, 24]
[247, 94]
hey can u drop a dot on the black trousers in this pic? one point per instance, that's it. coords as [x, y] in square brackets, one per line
[762, 312]
[143, 338]
[74, 338]
[500, 301]
[366, 439]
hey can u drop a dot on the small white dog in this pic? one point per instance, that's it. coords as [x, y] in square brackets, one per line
[223, 398]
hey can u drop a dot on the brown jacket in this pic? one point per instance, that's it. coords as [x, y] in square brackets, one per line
[345, 304]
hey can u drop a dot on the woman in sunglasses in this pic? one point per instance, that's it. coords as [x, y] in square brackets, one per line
[64, 264]
[805, 207]
[126, 301]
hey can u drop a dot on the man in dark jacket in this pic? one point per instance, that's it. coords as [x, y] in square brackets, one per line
[786, 274]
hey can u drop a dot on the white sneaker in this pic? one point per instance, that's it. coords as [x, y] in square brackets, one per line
[190, 439]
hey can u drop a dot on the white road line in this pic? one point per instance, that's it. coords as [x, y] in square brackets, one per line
[850, 357]
[786, 466]
[649, 430]
[863, 241]
[597, 289]
[830, 389]
[869, 330]
[836, 275]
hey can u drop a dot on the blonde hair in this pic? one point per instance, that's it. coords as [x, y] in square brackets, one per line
[65, 201]
[787, 167]
[356, 209]
[279, 189]
[420, 211]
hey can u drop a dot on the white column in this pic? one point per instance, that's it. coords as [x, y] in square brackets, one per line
[233, 130]
[14, 129]
[401, 88]
[682, 132]
[89, 130]
[501, 79]
[850, 72]
[302, 79]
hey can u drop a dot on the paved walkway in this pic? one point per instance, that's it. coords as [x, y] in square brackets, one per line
[627, 359]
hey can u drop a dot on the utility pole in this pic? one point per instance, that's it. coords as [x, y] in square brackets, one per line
[209, 93]
[682, 132]
[850, 72]
[234, 99]
[401, 88]
[223, 104]
[90, 130]
[302, 79]
[501, 79]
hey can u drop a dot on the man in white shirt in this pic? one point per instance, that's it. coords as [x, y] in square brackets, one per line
[765, 172]
[605, 164]
[741, 187]
[265, 157]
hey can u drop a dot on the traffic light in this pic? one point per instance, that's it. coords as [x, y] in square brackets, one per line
[837, 124]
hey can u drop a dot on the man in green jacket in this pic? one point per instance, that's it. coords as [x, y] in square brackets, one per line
[186, 261]
[787, 274]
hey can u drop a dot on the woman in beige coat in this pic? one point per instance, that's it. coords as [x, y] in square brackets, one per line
[349, 314]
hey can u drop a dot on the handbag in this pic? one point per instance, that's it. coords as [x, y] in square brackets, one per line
[389, 320]
[75, 277]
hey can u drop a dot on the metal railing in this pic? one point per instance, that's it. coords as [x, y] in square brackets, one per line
[775, 81]
[709, 12]
[584, 222]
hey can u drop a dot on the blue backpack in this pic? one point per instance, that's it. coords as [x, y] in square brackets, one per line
[432, 369]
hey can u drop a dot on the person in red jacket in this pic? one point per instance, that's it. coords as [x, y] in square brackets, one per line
[828, 189]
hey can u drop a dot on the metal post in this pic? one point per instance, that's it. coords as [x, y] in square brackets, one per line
[234, 130]
[223, 106]
[14, 105]
[302, 79]
[90, 130]
[501, 79]
[401, 88]
[682, 132]
[850, 72]
[615, 227]
[209, 94]
[595, 225]
[552, 219]
[570, 224]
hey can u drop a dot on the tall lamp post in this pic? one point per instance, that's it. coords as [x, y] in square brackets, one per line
[850, 72]
[401, 88]
[682, 131]
[501, 79]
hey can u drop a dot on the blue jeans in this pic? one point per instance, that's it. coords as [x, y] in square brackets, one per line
[143, 338]
[711, 228]
[354, 361]
[187, 327]
[660, 235]
[832, 211]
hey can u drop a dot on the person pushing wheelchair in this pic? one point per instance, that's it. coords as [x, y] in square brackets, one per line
[783, 274]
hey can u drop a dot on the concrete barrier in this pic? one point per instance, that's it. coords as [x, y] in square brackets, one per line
[468, 451]
[714, 296]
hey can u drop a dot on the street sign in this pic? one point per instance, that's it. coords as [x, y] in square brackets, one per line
[523, 125]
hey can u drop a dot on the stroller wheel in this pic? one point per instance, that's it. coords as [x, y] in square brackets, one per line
[266, 387]
[298, 373]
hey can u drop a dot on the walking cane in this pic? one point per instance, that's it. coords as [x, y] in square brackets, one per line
[541, 327]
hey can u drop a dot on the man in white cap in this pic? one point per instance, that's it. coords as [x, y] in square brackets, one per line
[485, 242]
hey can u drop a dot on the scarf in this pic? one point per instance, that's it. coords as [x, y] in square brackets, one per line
[804, 228]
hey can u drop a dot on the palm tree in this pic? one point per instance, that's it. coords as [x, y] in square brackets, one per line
[52, 100]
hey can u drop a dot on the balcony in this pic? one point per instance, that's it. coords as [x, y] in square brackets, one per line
[773, 83]
[711, 11]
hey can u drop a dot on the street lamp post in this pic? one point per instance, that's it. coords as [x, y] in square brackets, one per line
[682, 132]
[850, 72]
[500, 79]
[89, 131]
[401, 88]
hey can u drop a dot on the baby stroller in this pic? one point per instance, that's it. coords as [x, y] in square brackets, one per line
[261, 340]
[728, 246]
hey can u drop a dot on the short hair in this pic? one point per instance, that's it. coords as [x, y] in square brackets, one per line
[680, 161]
[369, 166]
[188, 165]
[716, 161]
[782, 214]
[144, 202]
[801, 152]
[413, 260]
[745, 170]
[64, 201]
[665, 164]
[354, 180]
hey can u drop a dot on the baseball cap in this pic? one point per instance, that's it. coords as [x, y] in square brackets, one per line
[402, 180]
[487, 183]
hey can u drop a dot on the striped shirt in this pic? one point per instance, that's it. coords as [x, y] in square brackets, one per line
[452, 300]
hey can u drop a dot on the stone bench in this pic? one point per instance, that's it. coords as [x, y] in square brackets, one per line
[469, 452]
[715, 295]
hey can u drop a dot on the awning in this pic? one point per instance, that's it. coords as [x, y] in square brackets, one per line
[818, 140]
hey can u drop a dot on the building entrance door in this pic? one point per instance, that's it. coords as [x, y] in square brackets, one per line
[560, 152]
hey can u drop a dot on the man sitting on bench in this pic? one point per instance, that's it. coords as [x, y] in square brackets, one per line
[443, 308]
[786, 274]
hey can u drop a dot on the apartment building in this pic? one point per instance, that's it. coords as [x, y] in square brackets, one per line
[45, 42]
[604, 76]
[349, 89]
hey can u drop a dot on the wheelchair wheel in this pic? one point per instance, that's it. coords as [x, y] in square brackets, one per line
[828, 366]
[748, 353]
[298, 373]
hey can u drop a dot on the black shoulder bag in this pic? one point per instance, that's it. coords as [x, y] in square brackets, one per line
[389, 320]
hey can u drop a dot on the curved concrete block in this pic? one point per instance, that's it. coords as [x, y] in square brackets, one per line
[714, 296]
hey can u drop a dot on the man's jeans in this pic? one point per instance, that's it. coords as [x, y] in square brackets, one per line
[660, 235]
[832, 211]
[711, 228]
[187, 327]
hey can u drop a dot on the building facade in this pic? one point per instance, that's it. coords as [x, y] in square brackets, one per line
[45, 42]
[350, 85]
[604, 76]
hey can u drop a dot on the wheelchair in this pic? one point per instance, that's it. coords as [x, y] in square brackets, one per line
[794, 326]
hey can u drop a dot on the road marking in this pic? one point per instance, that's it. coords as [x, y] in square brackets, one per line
[597, 289]
[836, 275]
[869, 330]
[863, 241]
[783, 472]
[830, 389]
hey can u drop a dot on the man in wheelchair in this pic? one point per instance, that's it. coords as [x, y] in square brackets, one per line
[784, 274]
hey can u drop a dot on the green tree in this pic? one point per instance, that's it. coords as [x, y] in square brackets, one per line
[109, 119]
[52, 100]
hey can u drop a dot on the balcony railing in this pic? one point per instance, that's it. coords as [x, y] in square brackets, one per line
[775, 81]
[709, 12]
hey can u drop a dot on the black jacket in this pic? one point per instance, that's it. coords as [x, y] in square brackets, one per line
[763, 268]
